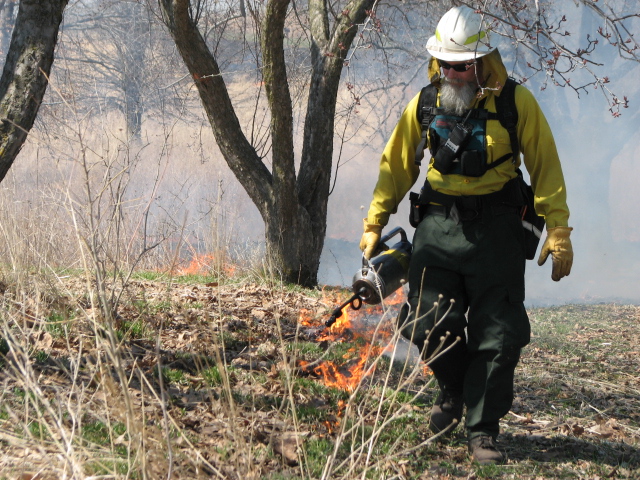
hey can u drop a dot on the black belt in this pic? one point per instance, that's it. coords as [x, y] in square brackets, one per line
[507, 200]
[466, 214]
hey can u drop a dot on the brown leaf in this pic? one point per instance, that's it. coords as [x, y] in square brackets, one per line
[287, 445]
[43, 342]
[603, 428]
[577, 430]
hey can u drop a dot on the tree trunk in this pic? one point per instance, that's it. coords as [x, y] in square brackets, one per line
[26, 71]
[137, 33]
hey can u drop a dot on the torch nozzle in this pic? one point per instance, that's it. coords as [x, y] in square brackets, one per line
[355, 301]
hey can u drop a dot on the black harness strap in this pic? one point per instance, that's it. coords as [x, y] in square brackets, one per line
[508, 114]
[427, 111]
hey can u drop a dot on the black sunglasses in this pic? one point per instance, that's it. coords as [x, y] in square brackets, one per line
[459, 67]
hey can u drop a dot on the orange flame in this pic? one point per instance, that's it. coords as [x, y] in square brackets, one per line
[203, 264]
[349, 375]
[339, 329]
[197, 264]
[305, 318]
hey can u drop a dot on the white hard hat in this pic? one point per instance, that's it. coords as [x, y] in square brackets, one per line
[459, 36]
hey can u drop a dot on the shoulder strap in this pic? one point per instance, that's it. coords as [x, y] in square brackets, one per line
[426, 112]
[427, 105]
[508, 114]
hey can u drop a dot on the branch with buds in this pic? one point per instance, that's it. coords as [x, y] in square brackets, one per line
[532, 28]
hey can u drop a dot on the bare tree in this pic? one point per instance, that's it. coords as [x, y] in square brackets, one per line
[25, 76]
[563, 53]
[114, 47]
[293, 206]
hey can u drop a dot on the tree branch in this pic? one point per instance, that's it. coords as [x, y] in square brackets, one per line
[317, 152]
[279, 98]
[239, 154]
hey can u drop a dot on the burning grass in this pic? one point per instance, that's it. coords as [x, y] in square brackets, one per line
[369, 333]
[200, 379]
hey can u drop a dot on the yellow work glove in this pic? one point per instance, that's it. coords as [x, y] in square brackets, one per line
[558, 244]
[370, 238]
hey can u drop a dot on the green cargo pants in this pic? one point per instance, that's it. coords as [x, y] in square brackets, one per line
[465, 308]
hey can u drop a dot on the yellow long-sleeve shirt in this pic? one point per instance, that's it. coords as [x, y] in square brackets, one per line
[398, 171]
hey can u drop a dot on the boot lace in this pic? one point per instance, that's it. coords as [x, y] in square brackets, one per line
[486, 443]
[449, 401]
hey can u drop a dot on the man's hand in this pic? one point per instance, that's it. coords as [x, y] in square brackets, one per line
[370, 238]
[558, 244]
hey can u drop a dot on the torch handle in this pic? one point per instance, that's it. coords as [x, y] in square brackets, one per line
[355, 301]
[382, 247]
[393, 233]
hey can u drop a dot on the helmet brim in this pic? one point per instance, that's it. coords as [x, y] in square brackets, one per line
[463, 55]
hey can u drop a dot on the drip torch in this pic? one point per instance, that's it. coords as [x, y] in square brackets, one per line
[380, 276]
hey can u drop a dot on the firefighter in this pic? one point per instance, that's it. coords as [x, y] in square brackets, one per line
[469, 244]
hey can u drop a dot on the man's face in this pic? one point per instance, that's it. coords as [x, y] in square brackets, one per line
[459, 73]
[460, 83]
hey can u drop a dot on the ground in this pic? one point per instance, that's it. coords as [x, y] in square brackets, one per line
[193, 378]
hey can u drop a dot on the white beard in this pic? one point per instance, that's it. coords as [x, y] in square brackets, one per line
[455, 98]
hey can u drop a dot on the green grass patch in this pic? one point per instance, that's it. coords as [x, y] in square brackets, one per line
[314, 388]
[135, 330]
[149, 275]
[233, 341]
[100, 433]
[20, 393]
[411, 398]
[144, 307]
[305, 350]
[213, 375]
[256, 378]
[318, 450]
[174, 375]
[310, 413]
[107, 468]
[56, 324]
[179, 279]
[41, 356]
[342, 352]
[37, 430]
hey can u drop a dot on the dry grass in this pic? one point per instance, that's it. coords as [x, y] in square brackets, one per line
[83, 395]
